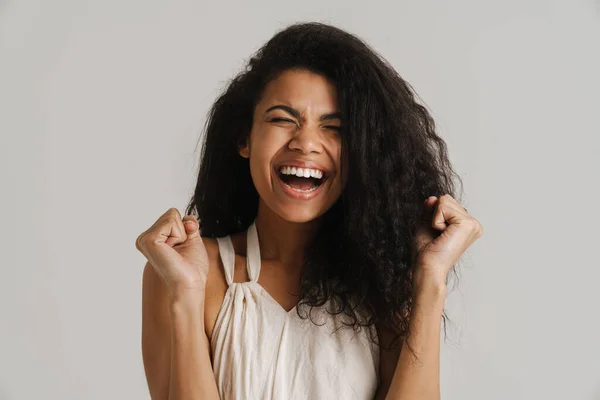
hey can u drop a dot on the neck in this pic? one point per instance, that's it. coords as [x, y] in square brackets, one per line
[281, 240]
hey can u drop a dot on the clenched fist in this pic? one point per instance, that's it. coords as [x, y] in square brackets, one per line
[176, 251]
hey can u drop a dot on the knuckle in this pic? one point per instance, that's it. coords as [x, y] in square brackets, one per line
[146, 240]
[444, 200]
[139, 242]
[476, 226]
[472, 224]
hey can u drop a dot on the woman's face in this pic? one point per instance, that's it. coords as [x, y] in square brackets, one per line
[294, 146]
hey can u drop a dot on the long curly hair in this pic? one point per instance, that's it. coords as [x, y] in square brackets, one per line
[362, 255]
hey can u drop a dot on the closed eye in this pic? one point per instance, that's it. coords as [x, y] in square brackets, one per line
[282, 120]
[335, 128]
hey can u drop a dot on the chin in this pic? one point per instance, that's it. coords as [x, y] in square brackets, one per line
[298, 214]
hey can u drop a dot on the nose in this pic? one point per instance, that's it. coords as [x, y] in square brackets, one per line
[307, 139]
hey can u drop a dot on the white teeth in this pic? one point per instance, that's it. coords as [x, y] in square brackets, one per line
[302, 172]
[314, 173]
[300, 190]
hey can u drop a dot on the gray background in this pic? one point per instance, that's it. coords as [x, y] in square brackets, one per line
[102, 104]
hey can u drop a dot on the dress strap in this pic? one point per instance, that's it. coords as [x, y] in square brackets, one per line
[253, 253]
[227, 253]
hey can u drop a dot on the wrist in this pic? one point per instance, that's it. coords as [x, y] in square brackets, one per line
[186, 298]
[430, 291]
[186, 310]
[429, 286]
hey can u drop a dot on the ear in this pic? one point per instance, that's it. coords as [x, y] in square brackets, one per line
[244, 149]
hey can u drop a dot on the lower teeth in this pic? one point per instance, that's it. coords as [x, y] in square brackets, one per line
[300, 190]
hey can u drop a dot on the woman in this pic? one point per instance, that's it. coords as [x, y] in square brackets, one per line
[313, 257]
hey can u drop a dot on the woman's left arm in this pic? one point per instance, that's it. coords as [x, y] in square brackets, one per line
[417, 376]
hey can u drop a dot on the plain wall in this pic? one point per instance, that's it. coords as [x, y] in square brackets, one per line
[102, 104]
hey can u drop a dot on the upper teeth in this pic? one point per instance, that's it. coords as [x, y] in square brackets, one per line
[302, 172]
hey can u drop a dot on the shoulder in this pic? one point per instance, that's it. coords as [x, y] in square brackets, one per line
[212, 249]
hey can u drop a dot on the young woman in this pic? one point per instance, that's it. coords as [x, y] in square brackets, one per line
[312, 261]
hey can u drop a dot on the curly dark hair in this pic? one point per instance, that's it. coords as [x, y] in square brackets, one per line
[362, 254]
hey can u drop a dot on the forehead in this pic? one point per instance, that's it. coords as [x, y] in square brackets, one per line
[301, 89]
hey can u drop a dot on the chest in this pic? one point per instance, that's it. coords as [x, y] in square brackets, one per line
[280, 285]
[264, 352]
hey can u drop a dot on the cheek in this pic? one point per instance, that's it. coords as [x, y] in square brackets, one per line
[259, 168]
[261, 156]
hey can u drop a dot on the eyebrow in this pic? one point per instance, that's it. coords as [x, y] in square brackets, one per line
[296, 114]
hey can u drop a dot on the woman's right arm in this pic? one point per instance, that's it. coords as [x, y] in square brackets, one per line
[175, 348]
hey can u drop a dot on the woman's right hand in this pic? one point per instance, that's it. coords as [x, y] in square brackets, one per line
[175, 249]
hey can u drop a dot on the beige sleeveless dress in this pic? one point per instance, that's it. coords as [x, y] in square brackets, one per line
[263, 352]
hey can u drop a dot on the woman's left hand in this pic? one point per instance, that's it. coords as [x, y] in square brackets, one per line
[437, 252]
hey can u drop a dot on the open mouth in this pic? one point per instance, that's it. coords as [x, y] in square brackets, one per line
[302, 180]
